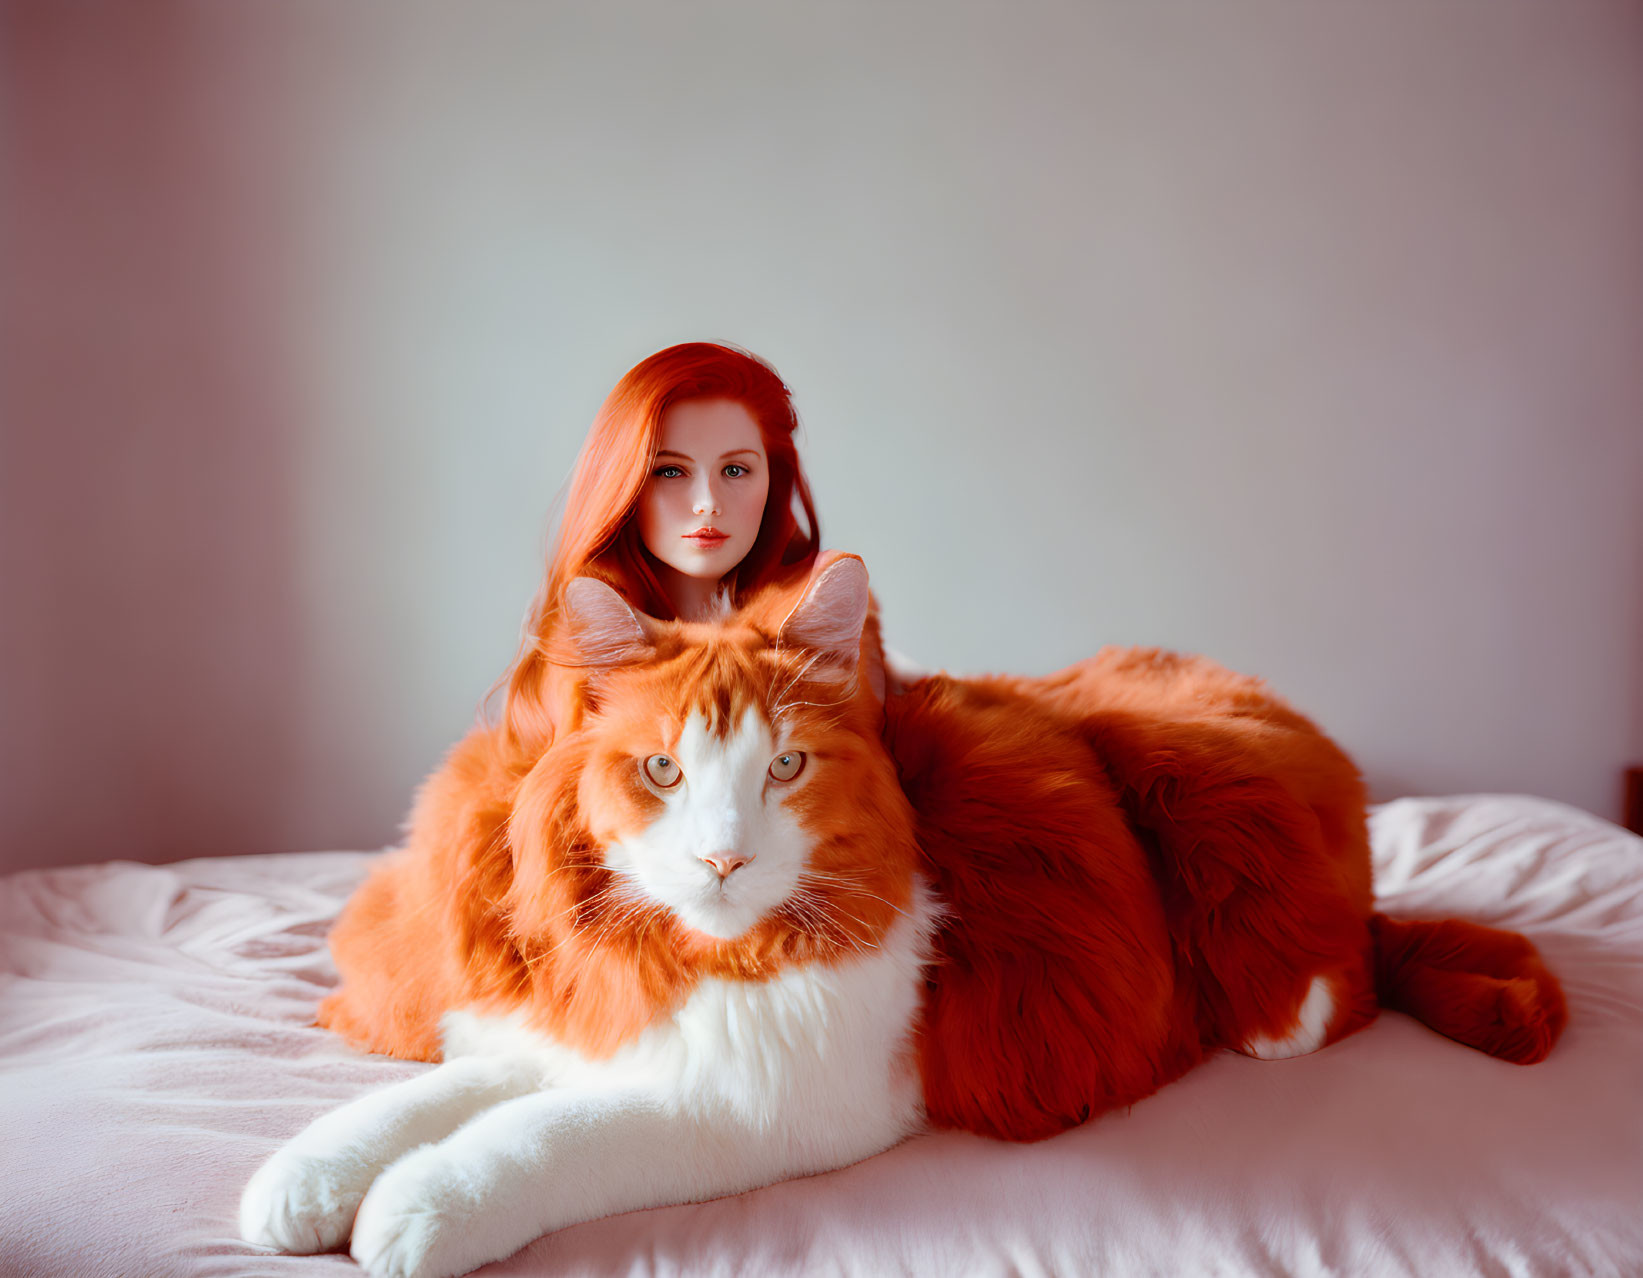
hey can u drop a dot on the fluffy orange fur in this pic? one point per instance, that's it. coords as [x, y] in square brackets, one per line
[1259, 827]
[1038, 801]
[1141, 859]
[501, 901]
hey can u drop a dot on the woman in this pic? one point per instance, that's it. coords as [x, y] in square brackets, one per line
[688, 489]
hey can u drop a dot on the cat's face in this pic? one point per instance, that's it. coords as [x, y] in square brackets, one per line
[736, 777]
[703, 811]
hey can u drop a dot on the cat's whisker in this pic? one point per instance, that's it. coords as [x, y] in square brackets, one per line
[656, 916]
[628, 906]
[830, 907]
[838, 911]
[810, 915]
[635, 912]
[854, 886]
[581, 903]
[615, 923]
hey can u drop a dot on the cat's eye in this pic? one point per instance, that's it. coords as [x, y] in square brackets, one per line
[784, 767]
[663, 772]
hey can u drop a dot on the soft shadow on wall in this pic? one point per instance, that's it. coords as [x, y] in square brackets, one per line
[146, 503]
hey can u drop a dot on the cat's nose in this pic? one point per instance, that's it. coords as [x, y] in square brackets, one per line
[727, 862]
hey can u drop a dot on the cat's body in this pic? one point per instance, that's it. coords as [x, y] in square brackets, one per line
[719, 935]
[741, 1085]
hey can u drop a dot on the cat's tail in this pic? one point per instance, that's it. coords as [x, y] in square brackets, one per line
[1480, 986]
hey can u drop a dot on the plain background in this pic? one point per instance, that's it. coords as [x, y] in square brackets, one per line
[1307, 336]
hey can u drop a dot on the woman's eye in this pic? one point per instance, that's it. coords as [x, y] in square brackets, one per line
[734, 471]
[784, 767]
[663, 772]
[667, 472]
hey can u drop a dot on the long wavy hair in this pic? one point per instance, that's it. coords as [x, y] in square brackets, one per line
[598, 535]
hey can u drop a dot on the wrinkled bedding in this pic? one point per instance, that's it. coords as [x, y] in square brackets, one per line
[156, 1044]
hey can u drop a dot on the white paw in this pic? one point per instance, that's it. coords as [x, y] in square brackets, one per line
[1310, 1032]
[303, 1202]
[418, 1221]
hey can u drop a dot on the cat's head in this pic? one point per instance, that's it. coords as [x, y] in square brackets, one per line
[732, 773]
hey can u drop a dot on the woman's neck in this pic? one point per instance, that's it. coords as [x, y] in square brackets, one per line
[692, 597]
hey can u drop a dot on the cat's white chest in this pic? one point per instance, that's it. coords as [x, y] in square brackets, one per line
[829, 1039]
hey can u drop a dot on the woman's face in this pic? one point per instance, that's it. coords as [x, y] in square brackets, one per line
[700, 510]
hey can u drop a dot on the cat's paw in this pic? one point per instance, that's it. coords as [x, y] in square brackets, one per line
[418, 1221]
[302, 1202]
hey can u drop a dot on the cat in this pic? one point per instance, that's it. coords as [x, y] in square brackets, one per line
[745, 920]
[679, 955]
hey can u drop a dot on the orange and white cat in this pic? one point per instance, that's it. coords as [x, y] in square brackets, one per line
[685, 959]
[743, 921]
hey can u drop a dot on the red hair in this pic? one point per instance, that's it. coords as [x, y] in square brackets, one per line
[598, 536]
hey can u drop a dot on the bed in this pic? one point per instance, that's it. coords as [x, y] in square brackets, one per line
[156, 1045]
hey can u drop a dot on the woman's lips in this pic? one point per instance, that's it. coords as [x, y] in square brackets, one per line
[707, 540]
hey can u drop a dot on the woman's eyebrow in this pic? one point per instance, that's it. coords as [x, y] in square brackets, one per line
[736, 452]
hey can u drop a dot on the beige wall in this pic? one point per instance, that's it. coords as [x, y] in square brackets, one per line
[1306, 336]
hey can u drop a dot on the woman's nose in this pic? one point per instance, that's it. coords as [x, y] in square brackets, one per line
[707, 501]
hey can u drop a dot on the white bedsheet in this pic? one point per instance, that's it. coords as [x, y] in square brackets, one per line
[156, 1045]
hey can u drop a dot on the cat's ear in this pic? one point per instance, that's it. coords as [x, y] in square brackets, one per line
[603, 629]
[827, 622]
